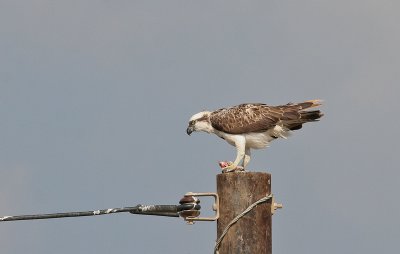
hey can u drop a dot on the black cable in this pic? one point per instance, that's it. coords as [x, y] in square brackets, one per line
[158, 210]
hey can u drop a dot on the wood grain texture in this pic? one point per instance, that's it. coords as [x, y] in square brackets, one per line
[252, 233]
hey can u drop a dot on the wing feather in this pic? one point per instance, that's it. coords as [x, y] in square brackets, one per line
[258, 117]
[245, 118]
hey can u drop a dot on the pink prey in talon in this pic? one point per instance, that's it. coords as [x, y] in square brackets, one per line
[225, 166]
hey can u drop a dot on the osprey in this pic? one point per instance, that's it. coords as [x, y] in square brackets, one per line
[253, 125]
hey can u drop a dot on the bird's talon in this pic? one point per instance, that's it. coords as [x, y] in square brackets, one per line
[232, 168]
[229, 168]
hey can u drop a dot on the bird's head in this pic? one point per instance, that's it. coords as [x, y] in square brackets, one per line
[200, 122]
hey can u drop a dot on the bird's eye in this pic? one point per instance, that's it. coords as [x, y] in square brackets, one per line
[192, 122]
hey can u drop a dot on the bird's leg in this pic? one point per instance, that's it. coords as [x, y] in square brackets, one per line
[246, 158]
[240, 144]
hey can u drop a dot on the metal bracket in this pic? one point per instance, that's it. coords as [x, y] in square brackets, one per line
[190, 219]
[275, 206]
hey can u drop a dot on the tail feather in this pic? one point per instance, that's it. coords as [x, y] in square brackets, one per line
[310, 104]
[310, 116]
[305, 116]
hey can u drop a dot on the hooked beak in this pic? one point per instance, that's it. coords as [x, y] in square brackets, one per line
[189, 130]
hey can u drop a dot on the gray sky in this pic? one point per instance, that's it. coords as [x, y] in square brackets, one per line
[95, 98]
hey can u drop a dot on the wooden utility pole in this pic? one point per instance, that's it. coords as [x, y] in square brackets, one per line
[252, 234]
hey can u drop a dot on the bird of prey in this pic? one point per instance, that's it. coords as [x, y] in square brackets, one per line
[253, 125]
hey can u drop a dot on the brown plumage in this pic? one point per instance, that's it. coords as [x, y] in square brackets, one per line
[258, 117]
[253, 125]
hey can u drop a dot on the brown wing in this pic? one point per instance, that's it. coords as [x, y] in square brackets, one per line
[255, 117]
[258, 117]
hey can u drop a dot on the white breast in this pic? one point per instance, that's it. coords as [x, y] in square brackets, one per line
[258, 140]
[255, 140]
[230, 138]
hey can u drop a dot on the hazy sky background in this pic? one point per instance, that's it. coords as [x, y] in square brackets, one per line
[95, 97]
